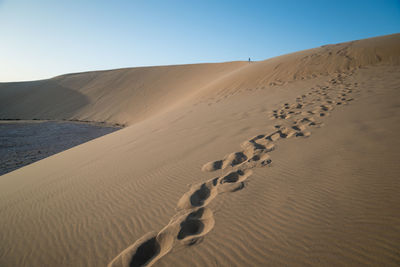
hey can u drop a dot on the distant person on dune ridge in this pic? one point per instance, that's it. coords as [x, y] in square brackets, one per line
[249, 60]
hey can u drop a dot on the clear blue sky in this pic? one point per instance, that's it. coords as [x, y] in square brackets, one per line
[43, 38]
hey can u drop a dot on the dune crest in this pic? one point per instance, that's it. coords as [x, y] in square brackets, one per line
[126, 96]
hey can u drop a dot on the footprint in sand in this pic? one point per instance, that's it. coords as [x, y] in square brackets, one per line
[199, 195]
[258, 145]
[195, 225]
[253, 147]
[186, 229]
[234, 180]
[145, 251]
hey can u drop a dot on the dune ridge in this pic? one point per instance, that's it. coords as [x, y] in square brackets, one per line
[126, 96]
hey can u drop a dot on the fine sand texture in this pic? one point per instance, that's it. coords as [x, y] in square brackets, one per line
[291, 161]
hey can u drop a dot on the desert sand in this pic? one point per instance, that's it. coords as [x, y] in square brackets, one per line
[291, 161]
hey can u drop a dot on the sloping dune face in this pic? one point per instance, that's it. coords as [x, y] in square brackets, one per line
[126, 96]
[117, 96]
[292, 161]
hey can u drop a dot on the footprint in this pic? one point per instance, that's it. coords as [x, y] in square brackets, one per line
[306, 121]
[283, 132]
[236, 176]
[145, 251]
[299, 106]
[303, 134]
[232, 160]
[280, 114]
[250, 147]
[325, 108]
[212, 166]
[195, 225]
[299, 128]
[187, 228]
[260, 160]
[198, 195]
[238, 187]
[235, 158]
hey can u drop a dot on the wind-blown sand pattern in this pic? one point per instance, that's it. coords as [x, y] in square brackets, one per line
[292, 161]
[296, 118]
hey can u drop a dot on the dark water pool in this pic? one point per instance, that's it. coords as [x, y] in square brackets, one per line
[22, 142]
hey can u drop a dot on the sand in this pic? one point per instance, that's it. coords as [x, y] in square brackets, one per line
[289, 161]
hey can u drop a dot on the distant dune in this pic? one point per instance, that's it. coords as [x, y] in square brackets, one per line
[291, 161]
[125, 96]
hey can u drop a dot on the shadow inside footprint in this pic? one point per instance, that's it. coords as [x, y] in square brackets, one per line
[256, 145]
[198, 197]
[240, 187]
[190, 227]
[233, 177]
[195, 241]
[217, 164]
[192, 224]
[258, 137]
[239, 157]
[145, 252]
[282, 135]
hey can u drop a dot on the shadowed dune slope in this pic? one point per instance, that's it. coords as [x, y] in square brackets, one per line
[130, 95]
[116, 96]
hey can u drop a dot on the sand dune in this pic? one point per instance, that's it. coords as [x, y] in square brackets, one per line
[126, 96]
[120, 96]
[289, 161]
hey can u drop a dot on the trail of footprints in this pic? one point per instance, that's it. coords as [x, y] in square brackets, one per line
[194, 219]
